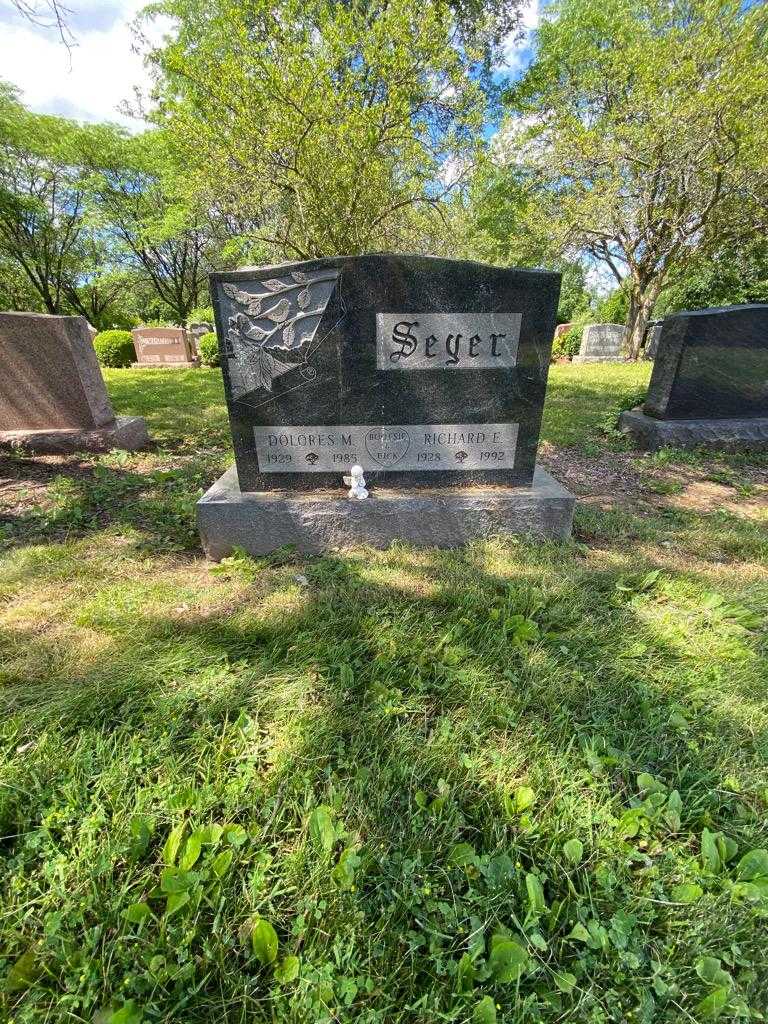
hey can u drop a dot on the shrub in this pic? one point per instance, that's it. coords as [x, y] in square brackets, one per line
[200, 315]
[208, 349]
[114, 348]
[568, 344]
[614, 308]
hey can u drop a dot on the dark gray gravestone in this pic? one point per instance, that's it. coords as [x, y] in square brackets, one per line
[52, 394]
[429, 373]
[652, 336]
[709, 384]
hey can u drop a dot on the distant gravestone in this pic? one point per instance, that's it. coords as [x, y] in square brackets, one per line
[196, 332]
[562, 329]
[430, 374]
[163, 346]
[601, 343]
[652, 336]
[709, 385]
[52, 395]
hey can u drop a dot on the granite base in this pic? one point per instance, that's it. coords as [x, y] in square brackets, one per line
[186, 364]
[749, 434]
[126, 432]
[317, 521]
[598, 359]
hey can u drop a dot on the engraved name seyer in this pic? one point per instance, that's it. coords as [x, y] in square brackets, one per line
[433, 447]
[447, 341]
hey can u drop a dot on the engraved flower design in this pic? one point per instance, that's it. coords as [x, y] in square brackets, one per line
[282, 317]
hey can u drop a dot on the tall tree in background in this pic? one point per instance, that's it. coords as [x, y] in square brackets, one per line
[323, 125]
[153, 230]
[44, 229]
[644, 123]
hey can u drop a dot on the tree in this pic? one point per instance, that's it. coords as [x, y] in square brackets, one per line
[644, 122]
[152, 228]
[502, 219]
[321, 126]
[735, 273]
[46, 14]
[44, 230]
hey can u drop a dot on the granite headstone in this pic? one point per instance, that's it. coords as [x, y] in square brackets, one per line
[163, 346]
[52, 394]
[709, 385]
[652, 336]
[428, 373]
[601, 343]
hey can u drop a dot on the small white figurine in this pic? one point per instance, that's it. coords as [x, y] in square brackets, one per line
[356, 483]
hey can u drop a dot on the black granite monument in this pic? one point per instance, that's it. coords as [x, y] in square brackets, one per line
[428, 373]
[709, 386]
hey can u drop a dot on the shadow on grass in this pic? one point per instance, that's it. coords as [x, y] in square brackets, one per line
[381, 679]
[409, 692]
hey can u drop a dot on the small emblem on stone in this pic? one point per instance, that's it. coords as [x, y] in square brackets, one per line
[312, 458]
[460, 456]
[387, 445]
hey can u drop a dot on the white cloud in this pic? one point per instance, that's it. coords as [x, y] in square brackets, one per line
[517, 49]
[89, 82]
[453, 170]
[600, 279]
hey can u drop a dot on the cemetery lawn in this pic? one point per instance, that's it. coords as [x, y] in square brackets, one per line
[518, 782]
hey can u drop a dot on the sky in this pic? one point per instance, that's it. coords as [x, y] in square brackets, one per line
[88, 83]
[101, 71]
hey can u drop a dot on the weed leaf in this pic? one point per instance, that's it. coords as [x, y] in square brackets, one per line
[172, 844]
[688, 892]
[535, 894]
[523, 798]
[287, 970]
[221, 863]
[264, 941]
[465, 974]
[484, 1011]
[710, 857]
[507, 959]
[23, 973]
[175, 901]
[137, 912]
[191, 852]
[461, 855]
[713, 1005]
[321, 828]
[752, 865]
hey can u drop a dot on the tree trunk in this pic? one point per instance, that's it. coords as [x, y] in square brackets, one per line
[642, 296]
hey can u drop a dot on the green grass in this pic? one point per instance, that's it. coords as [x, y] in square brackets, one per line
[515, 780]
[583, 397]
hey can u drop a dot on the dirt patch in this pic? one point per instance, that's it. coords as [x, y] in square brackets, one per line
[613, 479]
[607, 479]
